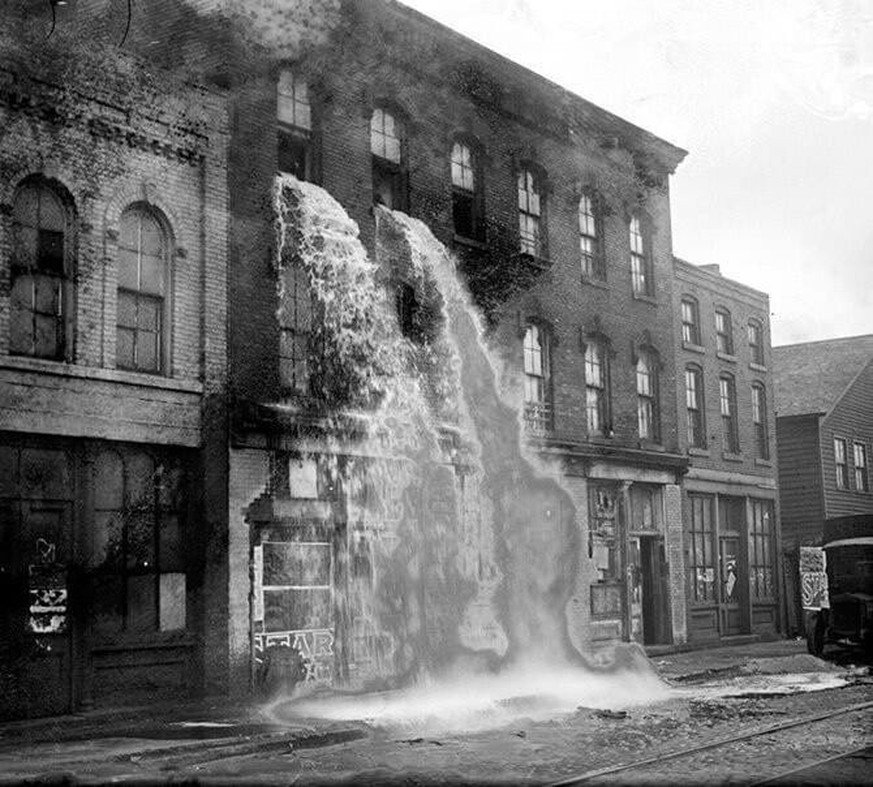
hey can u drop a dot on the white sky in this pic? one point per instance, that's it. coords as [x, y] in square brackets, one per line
[773, 99]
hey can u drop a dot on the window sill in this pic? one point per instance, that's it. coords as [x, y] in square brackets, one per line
[692, 451]
[591, 282]
[695, 348]
[757, 367]
[63, 369]
[534, 260]
[726, 357]
[650, 299]
[729, 456]
[764, 462]
[473, 243]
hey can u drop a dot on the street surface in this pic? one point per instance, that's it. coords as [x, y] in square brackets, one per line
[738, 717]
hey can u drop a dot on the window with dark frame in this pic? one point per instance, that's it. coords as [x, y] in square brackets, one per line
[387, 145]
[143, 273]
[640, 259]
[593, 266]
[701, 575]
[647, 396]
[530, 212]
[756, 342]
[724, 336]
[596, 387]
[761, 563]
[694, 406]
[690, 321]
[862, 482]
[841, 463]
[294, 132]
[759, 421]
[467, 206]
[537, 394]
[728, 404]
[138, 563]
[41, 281]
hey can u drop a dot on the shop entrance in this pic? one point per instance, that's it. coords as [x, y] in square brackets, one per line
[649, 606]
[733, 582]
[35, 551]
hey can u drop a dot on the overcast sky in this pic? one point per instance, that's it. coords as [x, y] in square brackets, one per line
[773, 99]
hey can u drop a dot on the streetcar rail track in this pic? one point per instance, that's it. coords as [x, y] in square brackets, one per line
[809, 766]
[724, 741]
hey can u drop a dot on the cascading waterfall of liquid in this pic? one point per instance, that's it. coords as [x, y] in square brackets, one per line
[504, 538]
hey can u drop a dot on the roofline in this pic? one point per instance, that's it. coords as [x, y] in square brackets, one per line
[822, 341]
[718, 277]
[851, 382]
[671, 154]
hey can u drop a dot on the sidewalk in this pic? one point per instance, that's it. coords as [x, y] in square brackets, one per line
[784, 655]
[218, 721]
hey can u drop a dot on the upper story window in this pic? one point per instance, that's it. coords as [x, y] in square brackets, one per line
[759, 420]
[143, 289]
[727, 391]
[537, 389]
[589, 239]
[640, 259]
[530, 213]
[597, 397]
[42, 303]
[294, 133]
[387, 144]
[647, 396]
[755, 332]
[690, 321]
[862, 483]
[841, 463]
[467, 207]
[694, 406]
[724, 335]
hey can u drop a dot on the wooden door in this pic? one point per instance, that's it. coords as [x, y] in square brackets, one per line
[731, 585]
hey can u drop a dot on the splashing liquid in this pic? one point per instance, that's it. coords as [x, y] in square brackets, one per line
[473, 571]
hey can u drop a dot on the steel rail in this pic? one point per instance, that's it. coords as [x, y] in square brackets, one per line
[810, 766]
[810, 719]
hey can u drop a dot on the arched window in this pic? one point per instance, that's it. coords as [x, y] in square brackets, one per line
[294, 133]
[690, 321]
[694, 406]
[756, 342]
[724, 332]
[727, 392]
[640, 258]
[142, 339]
[531, 229]
[597, 398]
[467, 207]
[759, 420]
[42, 300]
[648, 419]
[589, 239]
[389, 164]
[537, 387]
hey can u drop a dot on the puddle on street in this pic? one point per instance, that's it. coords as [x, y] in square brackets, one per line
[765, 685]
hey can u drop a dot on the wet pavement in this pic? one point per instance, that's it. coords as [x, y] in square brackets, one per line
[218, 739]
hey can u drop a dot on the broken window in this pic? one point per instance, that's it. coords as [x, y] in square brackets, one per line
[41, 302]
[294, 132]
[389, 165]
[466, 192]
[138, 556]
[143, 274]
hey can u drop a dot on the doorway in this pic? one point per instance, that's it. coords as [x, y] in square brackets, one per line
[653, 578]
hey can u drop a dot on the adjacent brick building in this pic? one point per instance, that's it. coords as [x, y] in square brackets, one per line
[113, 235]
[824, 432]
[727, 427]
